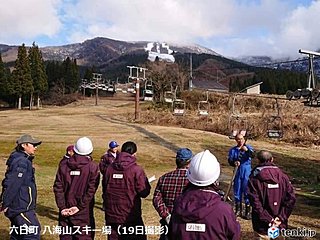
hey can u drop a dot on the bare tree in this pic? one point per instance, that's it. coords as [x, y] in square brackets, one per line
[166, 77]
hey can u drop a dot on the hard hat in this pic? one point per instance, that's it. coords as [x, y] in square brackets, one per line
[83, 146]
[204, 169]
[113, 144]
[184, 154]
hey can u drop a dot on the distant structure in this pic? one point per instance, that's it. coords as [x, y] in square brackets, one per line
[161, 52]
[253, 89]
[209, 85]
[311, 94]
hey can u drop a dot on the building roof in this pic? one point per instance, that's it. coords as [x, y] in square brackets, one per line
[254, 85]
[209, 85]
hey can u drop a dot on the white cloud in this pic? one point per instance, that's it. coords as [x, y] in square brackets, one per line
[230, 27]
[274, 28]
[153, 20]
[23, 20]
[301, 29]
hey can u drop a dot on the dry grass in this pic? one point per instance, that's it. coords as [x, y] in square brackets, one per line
[301, 124]
[60, 126]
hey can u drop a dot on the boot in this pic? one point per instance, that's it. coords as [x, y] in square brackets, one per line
[238, 211]
[247, 214]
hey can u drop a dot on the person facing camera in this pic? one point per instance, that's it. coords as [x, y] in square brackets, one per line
[200, 213]
[19, 191]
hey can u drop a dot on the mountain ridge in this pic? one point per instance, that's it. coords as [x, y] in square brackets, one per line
[98, 50]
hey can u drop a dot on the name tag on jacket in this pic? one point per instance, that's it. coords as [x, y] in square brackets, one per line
[273, 185]
[118, 176]
[195, 227]
[75, 173]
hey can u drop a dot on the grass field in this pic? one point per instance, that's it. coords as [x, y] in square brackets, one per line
[58, 127]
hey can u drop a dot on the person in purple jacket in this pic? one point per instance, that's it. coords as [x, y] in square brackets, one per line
[124, 184]
[76, 182]
[200, 213]
[271, 195]
[109, 156]
[68, 155]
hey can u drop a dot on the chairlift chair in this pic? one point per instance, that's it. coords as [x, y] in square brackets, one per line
[274, 124]
[148, 91]
[168, 96]
[203, 107]
[274, 127]
[147, 95]
[131, 88]
[179, 107]
[111, 88]
[237, 124]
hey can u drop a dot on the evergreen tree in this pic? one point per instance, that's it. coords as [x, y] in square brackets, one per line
[21, 75]
[88, 73]
[75, 79]
[3, 79]
[70, 73]
[6, 90]
[38, 74]
[54, 73]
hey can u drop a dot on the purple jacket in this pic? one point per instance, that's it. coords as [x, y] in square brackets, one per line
[271, 195]
[201, 214]
[106, 160]
[76, 182]
[124, 184]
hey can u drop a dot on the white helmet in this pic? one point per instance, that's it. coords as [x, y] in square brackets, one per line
[83, 146]
[204, 169]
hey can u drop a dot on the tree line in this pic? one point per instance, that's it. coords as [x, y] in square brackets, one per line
[32, 79]
[275, 81]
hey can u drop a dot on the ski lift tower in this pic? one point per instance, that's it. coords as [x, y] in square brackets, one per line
[311, 80]
[97, 78]
[137, 74]
[311, 93]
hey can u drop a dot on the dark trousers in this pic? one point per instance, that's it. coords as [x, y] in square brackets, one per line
[164, 224]
[25, 226]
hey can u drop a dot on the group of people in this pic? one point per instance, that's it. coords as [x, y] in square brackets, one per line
[187, 199]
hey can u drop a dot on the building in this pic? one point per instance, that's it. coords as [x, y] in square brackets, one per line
[253, 89]
[210, 85]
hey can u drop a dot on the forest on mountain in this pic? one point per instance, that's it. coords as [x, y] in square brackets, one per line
[30, 78]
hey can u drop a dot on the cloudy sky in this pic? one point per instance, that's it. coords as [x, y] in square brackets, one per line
[233, 28]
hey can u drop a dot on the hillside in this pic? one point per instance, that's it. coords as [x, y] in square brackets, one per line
[97, 51]
[209, 69]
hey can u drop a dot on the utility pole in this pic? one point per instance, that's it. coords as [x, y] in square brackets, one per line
[84, 85]
[97, 78]
[135, 74]
[190, 81]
